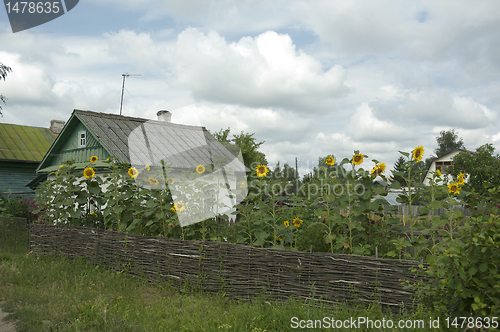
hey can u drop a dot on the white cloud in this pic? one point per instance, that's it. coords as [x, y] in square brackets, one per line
[437, 107]
[265, 71]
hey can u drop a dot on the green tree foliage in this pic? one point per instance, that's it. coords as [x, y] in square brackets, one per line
[482, 166]
[399, 166]
[248, 145]
[400, 171]
[4, 70]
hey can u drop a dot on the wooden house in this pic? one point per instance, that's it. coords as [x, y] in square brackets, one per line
[22, 148]
[442, 163]
[140, 142]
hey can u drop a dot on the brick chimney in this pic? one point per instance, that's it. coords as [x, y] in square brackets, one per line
[164, 115]
[56, 126]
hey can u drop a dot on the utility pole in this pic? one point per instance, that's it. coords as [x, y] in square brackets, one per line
[123, 87]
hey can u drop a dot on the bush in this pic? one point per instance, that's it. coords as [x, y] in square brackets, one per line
[464, 272]
[314, 235]
[21, 207]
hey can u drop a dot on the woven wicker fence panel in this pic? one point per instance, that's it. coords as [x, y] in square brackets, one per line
[237, 271]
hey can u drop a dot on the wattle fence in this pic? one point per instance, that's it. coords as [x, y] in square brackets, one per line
[235, 271]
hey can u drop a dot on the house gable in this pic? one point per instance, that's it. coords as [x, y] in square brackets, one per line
[67, 147]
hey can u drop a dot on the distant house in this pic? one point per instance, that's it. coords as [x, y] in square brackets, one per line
[442, 163]
[139, 142]
[22, 148]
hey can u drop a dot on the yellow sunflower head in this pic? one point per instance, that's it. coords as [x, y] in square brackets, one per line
[286, 223]
[93, 214]
[454, 188]
[147, 167]
[438, 172]
[61, 166]
[200, 169]
[357, 159]
[330, 161]
[242, 185]
[297, 222]
[381, 168]
[169, 181]
[132, 171]
[262, 170]
[179, 207]
[173, 209]
[88, 172]
[461, 179]
[418, 153]
[93, 159]
[153, 181]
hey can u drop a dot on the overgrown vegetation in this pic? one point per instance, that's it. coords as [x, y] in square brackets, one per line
[339, 210]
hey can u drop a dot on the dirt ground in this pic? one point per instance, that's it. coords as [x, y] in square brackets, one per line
[5, 326]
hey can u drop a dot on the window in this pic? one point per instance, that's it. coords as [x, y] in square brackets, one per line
[82, 139]
[443, 165]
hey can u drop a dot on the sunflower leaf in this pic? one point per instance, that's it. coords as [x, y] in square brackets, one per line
[406, 154]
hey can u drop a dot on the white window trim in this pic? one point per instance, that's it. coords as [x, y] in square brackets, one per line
[80, 145]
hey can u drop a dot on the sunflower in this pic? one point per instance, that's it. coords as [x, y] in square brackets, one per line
[438, 172]
[200, 169]
[460, 178]
[454, 188]
[242, 185]
[132, 171]
[418, 153]
[381, 168]
[297, 222]
[179, 207]
[286, 223]
[93, 214]
[262, 170]
[88, 172]
[93, 159]
[169, 181]
[172, 225]
[357, 159]
[153, 181]
[147, 167]
[330, 161]
[173, 209]
[378, 169]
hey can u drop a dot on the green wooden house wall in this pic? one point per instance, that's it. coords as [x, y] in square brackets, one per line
[67, 148]
[21, 150]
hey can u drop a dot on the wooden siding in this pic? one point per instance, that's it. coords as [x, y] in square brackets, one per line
[71, 151]
[14, 177]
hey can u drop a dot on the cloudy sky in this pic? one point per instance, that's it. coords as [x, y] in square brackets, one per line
[310, 78]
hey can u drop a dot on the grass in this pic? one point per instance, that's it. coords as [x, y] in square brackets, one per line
[56, 294]
[14, 236]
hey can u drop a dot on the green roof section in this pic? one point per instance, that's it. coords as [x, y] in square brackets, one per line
[24, 143]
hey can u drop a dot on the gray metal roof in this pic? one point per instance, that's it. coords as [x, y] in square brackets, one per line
[141, 141]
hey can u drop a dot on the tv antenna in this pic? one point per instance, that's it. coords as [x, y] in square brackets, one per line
[123, 87]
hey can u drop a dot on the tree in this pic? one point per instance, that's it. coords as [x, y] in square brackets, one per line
[247, 144]
[447, 141]
[4, 70]
[481, 166]
[399, 166]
